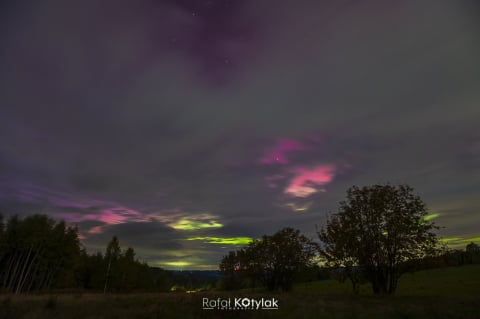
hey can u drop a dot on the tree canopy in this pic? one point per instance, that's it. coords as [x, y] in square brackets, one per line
[38, 253]
[272, 260]
[375, 231]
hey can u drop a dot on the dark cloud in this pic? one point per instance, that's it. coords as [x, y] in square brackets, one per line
[145, 235]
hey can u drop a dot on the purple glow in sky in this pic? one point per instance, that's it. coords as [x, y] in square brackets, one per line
[307, 181]
[278, 154]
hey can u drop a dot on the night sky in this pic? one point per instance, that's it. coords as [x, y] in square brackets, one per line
[188, 127]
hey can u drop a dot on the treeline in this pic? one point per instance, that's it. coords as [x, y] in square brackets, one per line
[115, 270]
[37, 254]
[194, 280]
[452, 257]
[287, 258]
[471, 255]
[379, 233]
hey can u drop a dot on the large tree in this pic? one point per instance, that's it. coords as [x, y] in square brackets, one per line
[376, 230]
[272, 260]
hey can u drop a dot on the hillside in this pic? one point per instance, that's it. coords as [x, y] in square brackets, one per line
[463, 280]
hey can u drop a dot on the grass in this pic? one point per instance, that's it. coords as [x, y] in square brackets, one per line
[460, 281]
[441, 293]
[451, 281]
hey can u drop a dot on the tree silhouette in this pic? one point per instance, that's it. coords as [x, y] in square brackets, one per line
[233, 269]
[472, 252]
[472, 248]
[112, 257]
[272, 260]
[37, 253]
[375, 231]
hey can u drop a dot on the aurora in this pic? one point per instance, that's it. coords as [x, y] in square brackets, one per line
[224, 241]
[194, 225]
[187, 127]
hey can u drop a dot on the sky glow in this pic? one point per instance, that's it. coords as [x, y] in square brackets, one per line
[224, 241]
[279, 153]
[309, 181]
[194, 225]
[188, 127]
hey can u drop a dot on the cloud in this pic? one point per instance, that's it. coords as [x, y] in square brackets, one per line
[278, 154]
[459, 242]
[235, 116]
[307, 181]
[177, 263]
[431, 216]
[239, 241]
[299, 208]
[185, 224]
[147, 238]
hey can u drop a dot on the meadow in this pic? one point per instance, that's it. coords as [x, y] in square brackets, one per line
[440, 293]
[448, 281]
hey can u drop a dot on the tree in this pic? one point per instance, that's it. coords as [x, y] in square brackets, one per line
[376, 230]
[472, 252]
[112, 256]
[232, 270]
[272, 260]
[123, 271]
[37, 253]
[472, 248]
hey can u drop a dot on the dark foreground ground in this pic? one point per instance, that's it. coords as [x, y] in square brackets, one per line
[443, 293]
[296, 305]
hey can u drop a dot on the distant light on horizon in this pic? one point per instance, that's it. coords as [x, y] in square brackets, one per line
[177, 263]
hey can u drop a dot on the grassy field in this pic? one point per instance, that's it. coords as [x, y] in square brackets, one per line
[451, 281]
[441, 293]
